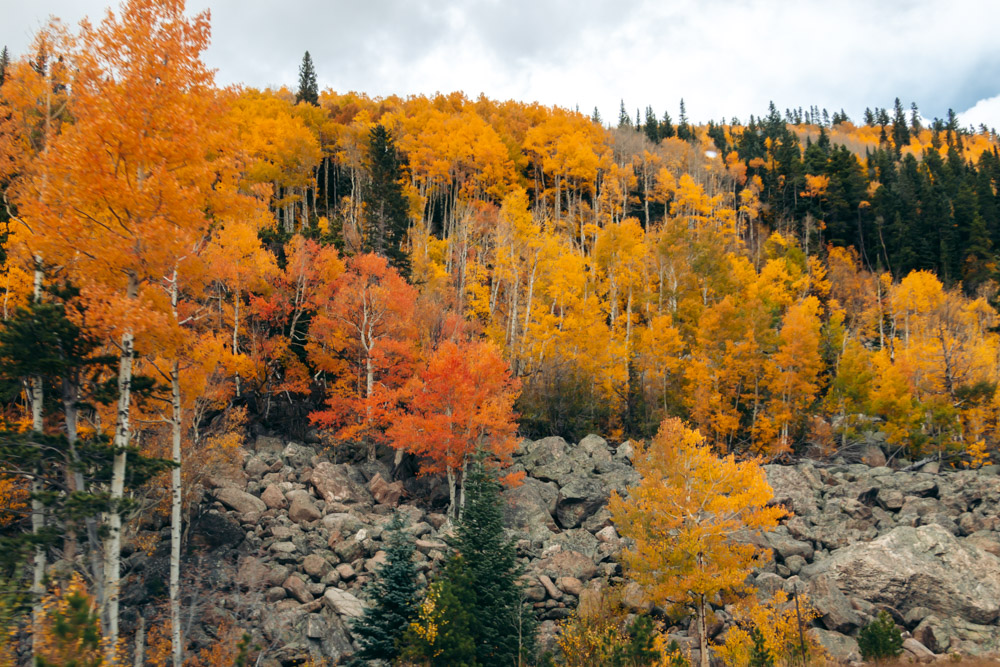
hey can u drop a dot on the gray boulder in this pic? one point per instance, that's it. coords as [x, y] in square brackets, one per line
[918, 567]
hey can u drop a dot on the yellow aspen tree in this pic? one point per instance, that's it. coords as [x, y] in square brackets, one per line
[684, 517]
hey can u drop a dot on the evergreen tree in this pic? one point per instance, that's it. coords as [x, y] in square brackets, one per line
[393, 594]
[442, 634]
[900, 132]
[623, 118]
[308, 89]
[4, 63]
[915, 117]
[683, 129]
[597, 117]
[651, 127]
[386, 212]
[666, 126]
[504, 626]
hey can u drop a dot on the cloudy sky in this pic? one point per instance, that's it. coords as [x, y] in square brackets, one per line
[724, 57]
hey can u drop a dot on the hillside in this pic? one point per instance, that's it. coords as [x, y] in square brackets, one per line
[430, 288]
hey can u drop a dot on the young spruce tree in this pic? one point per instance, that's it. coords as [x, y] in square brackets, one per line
[308, 88]
[393, 593]
[386, 212]
[504, 626]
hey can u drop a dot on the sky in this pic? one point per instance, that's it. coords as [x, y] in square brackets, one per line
[725, 58]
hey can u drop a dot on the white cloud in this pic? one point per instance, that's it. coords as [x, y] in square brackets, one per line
[984, 112]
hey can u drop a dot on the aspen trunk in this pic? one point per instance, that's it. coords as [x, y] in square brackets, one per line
[113, 541]
[702, 633]
[176, 644]
[452, 505]
[36, 392]
[175, 515]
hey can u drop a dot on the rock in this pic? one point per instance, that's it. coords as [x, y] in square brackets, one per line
[792, 488]
[346, 571]
[832, 605]
[570, 585]
[303, 510]
[788, 546]
[383, 492]
[550, 588]
[275, 593]
[625, 451]
[891, 500]
[841, 648]
[268, 445]
[566, 564]
[343, 602]
[914, 567]
[274, 498]
[299, 457]
[375, 561]
[214, 530]
[986, 541]
[528, 512]
[917, 651]
[251, 573]
[283, 548]
[542, 452]
[607, 534]
[316, 566]
[595, 447]
[297, 589]
[872, 455]
[255, 467]
[335, 484]
[578, 499]
[932, 635]
[239, 501]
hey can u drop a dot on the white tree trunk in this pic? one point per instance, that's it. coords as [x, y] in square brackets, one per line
[176, 643]
[36, 391]
[113, 541]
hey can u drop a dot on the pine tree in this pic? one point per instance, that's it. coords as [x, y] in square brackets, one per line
[442, 634]
[393, 593]
[623, 118]
[597, 117]
[504, 627]
[651, 127]
[666, 126]
[386, 211]
[308, 89]
[683, 129]
[4, 63]
[880, 640]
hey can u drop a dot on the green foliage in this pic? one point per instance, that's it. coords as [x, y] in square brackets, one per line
[76, 628]
[393, 593]
[308, 88]
[442, 635]
[760, 656]
[504, 626]
[386, 210]
[676, 657]
[881, 639]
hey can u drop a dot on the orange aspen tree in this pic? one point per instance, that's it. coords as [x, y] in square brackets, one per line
[460, 402]
[370, 316]
[129, 183]
[684, 516]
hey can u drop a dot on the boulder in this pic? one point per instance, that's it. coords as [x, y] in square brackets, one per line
[792, 488]
[213, 530]
[578, 499]
[303, 509]
[239, 501]
[336, 484]
[832, 605]
[383, 492]
[343, 602]
[299, 457]
[527, 511]
[316, 566]
[566, 564]
[918, 567]
[297, 588]
[917, 651]
[841, 648]
[595, 447]
[274, 498]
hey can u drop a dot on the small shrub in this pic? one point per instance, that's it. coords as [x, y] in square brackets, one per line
[881, 639]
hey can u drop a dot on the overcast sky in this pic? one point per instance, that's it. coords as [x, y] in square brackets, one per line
[724, 57]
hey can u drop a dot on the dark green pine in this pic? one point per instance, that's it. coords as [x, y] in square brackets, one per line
[308, 88]
[504, 627]
[393, 593]
[386, 212]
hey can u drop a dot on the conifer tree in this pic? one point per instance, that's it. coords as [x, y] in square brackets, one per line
[504, 627]
[4, 62]
[442, 634]
[393, 593]
[386, 212]
[623, 118]
[651, 127]
[308, 89]
[683, 129]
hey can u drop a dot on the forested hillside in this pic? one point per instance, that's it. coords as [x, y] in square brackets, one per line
[437, 275]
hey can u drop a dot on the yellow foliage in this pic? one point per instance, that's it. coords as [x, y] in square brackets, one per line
[779, 624]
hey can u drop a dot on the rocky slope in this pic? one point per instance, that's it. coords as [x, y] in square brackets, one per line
[286, 542]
